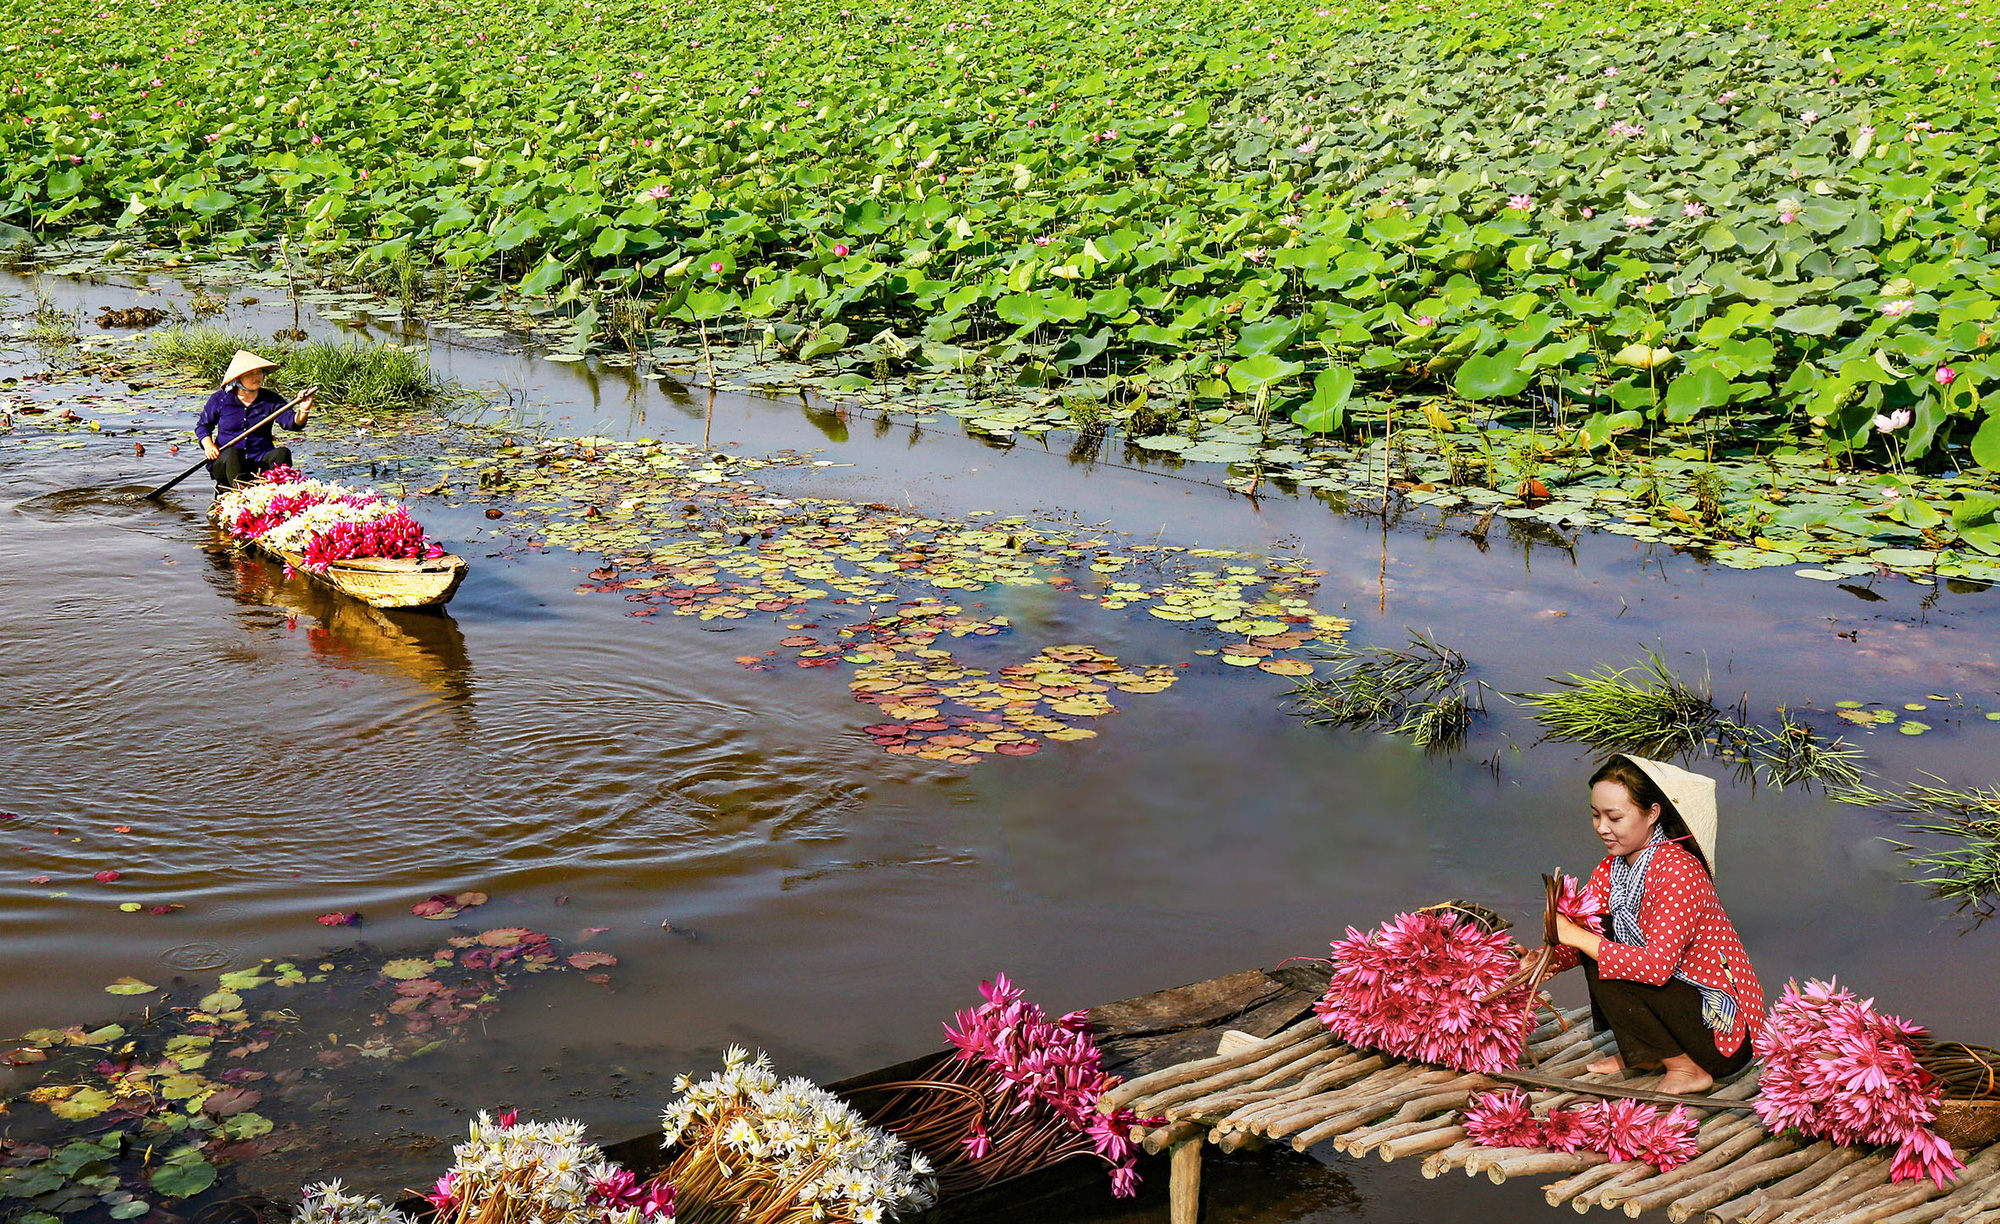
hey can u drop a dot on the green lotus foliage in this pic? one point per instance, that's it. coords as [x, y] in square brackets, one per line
[1770, 218]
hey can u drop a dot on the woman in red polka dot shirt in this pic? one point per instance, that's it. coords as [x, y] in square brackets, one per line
[1669, 976]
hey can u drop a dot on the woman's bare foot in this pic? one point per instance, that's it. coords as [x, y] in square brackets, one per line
[1685, 1078]
[1605, 1066]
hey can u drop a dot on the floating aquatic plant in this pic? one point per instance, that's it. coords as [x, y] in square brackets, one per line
[350, 375]
[1967, 873]
[1418, 691]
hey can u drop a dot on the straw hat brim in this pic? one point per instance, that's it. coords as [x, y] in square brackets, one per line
[1693, 795]
[243, 363]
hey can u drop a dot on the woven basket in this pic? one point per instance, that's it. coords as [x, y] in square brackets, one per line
[1968, 1124]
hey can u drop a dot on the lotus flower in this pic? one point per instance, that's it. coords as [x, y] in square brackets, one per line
[1503, 1119]
[1836, 1068]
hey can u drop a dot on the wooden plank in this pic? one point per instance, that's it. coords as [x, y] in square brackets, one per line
[1558, 1083]
[1196, 1005]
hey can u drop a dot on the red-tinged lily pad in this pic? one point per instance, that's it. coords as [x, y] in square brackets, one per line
[408, 968]
[592, 960]
[505, 937]
[469, 899]
[21, 1058]
[589, 933]
[598, 979]
[888, 728]
[1023, 748]
[40, 879]
[105, 877]
[930, 724]
[166, 909]
[435, 908]
[798, 640]
[226, 1101]
[352, 918]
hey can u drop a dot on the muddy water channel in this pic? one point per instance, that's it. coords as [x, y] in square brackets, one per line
[241, 745]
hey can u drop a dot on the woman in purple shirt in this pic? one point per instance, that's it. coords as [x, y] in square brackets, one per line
[242, 401]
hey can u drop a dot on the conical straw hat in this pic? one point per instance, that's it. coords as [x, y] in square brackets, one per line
[243, 363]
[1693, 795]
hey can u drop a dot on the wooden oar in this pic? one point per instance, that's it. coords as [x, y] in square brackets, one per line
[196, 466]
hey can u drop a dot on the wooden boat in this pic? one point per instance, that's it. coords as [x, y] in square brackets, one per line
[382, 582]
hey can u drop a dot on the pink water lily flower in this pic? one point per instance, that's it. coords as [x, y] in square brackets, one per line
[1944, 375]
[1898, 308]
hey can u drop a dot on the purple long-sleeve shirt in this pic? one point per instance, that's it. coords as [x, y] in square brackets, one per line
[224, 416]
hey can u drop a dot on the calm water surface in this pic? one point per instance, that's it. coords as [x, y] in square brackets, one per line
[277, 753]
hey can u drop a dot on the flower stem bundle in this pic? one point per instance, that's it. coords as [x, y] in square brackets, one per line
[1622, 1130]
[1018, 1093]
[749, 1149]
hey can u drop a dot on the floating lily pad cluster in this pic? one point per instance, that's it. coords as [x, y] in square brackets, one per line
[693, 532]
[137, 1114]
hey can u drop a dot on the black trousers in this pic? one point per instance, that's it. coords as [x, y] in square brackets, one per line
[1653, 1023]
[232, 467]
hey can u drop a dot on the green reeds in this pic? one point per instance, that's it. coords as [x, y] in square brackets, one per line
[1647, 709]
[353, 375]
[1419, 691]
[1968, 873]
[1644, 708]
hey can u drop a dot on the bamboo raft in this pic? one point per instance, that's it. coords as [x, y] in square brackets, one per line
[1294, 1082]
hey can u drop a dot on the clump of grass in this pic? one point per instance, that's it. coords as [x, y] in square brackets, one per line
[1648, 710]
[1968, 873]
[367, 377]
[1644, 708]
[1418, 691]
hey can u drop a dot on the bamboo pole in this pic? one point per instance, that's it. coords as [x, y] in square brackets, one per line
[1229, 1097]
[1655, 1193]
[1160, 1138]
[1272, 1116]
[1437, 1164]
[1964, 1198]
[1185, 1073]
[1373, 1108]
[1864, 1174]
[1568, 1188]
[1978, 1169]
[1184, 1183]
[1277, 1061]
[1801, 1171]
[1422, 1143]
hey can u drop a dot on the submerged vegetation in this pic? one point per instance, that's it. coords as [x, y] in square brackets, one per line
[364, 377]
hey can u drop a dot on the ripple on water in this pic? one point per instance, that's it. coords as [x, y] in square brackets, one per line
[198, 956]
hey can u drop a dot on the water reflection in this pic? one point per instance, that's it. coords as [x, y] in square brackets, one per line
[426, 647]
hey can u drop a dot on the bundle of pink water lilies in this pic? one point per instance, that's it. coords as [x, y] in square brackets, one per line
[1428, 986]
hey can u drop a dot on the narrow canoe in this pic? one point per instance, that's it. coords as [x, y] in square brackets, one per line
[383, 582]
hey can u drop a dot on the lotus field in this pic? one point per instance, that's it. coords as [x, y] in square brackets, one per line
[1729, 224]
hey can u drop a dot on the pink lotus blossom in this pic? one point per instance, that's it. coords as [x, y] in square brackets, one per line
[1047, 1064]
[1426, 321]
[1634, 221]
[715, 266]
[1787, 216]
[1899, 307]
[840, 250]
[1836, 1068]
[1522, 202]
[1893, 422]
[1503, 1119]
[1588, 213]
[1692, 209]
[1567, 1130]
[1417, 987]
[659, 192]
[1944, 375]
